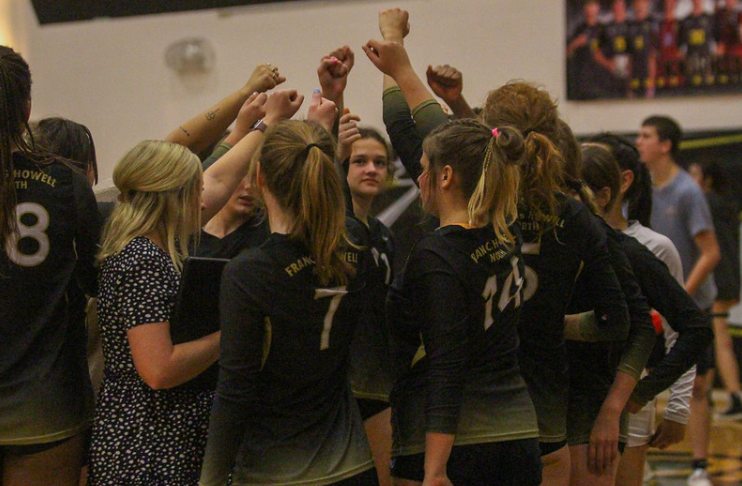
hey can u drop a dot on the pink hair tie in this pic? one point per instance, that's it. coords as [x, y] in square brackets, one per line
[495, 133]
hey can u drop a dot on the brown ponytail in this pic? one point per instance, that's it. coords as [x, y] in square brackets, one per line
[296, 162]
[531, 110]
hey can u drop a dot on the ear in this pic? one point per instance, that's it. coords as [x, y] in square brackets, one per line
[666, 146]
[445, 177]
[603, 197]
[627, 179]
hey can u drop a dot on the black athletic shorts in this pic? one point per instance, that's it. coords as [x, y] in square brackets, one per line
[508, 463]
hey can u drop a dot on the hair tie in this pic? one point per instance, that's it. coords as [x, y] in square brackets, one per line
[495, 132]
[309, 147]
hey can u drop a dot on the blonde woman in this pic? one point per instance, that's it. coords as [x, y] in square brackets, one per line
[145, 430]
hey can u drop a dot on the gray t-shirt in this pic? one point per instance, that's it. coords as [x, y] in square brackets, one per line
[680, 212]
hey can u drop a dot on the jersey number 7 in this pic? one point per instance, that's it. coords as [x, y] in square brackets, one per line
[335, 294]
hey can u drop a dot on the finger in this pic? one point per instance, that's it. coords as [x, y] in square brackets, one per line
[298, 100]
[316, 97]
[279, 79]
[591, 456]
[372, 55]
[346, 110]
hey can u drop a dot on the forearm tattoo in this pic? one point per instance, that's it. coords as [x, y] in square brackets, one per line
[211, 114]
[185, 131]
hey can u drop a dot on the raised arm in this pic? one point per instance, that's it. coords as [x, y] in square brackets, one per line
[222, 178]
[447, 83]
[333, 72]
[205, 128]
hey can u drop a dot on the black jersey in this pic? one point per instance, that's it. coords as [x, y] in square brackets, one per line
[670, 299]
[454, 313]
[697, 33]
[643, 44]
[284, 412]
[556, 253]
[640, 334]
[615, 39]
[371, 360]
[45, 390]
[250, 234]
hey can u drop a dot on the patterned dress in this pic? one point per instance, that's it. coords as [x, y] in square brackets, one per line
[142, 436]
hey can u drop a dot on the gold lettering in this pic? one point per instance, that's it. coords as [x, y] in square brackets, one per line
[21, 185]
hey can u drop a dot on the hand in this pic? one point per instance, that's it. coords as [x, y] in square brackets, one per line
[263, 78]
[333, 72]
[394, 24]
[389, 57]
[281, 105]
[322, 111]
[603, 446]
[347, 135]
[253, 109]
[446, 82]
[668, 433]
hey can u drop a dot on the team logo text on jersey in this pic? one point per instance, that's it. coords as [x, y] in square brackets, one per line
[299, 265]
[536, 218]
[23, 176]
[491, 248]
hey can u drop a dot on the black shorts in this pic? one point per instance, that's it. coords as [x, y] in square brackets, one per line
[370, 407]
[508, 463]
[366, 478]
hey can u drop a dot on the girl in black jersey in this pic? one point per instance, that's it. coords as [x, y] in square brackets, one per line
[461, 409]
[653, 257]
[49, 227]
[284, 412]
[561, 241]
[367, 160]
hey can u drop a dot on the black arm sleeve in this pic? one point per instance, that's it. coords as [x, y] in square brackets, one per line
[87, 235]
[402, 130]
[241, 353]
[641, 338]
[441, 299]
[671, 300]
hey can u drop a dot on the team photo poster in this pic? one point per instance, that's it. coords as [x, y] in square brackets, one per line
[653, 48]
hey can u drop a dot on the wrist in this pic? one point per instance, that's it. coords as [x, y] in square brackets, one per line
[260, 126]
[393, 35]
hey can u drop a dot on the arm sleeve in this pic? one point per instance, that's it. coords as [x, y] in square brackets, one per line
[698, 213]
[668, 297]
[218, 152]
[145, 299]
[87, 235]
[428, 115]
[641, 337]
[402, 130]
[598, 287]
[441, 298]
[241, 354]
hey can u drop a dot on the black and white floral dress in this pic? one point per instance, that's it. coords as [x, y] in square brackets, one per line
[142, 436]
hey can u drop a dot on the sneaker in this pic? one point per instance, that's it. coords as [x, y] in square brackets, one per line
[699, 478]
[733, 411]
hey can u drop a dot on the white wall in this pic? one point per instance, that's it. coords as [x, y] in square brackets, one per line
[111, 76]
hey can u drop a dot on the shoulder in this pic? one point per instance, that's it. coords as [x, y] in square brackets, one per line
[139, 253]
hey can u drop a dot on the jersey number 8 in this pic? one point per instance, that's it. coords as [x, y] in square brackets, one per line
[36, 231]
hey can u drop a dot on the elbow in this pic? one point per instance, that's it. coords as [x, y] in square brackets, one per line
[156, 379]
